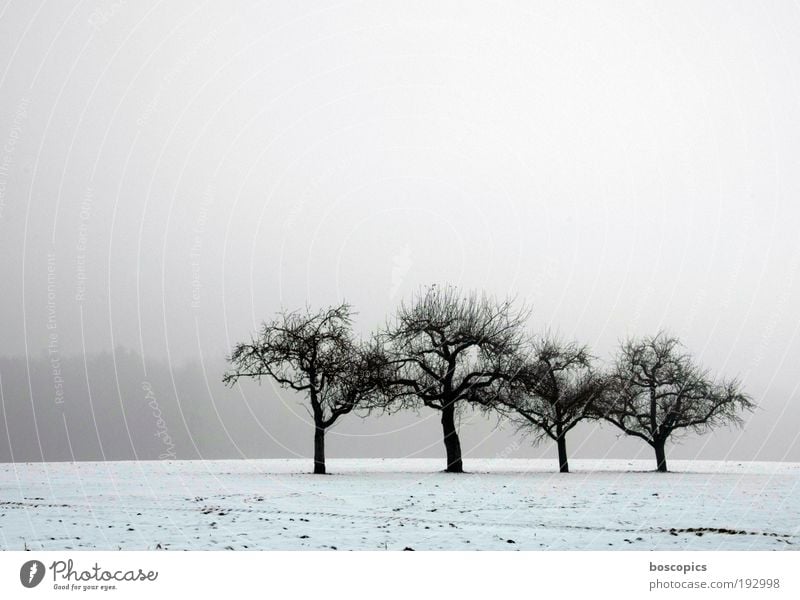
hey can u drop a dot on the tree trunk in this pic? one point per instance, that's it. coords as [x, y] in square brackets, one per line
[452, 445]
[563, 465]
[319, 450]
[661, 457]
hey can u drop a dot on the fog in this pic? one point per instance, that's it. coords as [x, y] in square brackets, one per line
[173, 173]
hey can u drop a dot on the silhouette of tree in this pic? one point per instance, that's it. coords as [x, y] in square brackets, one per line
[313, 353]
[556, 389]
[659, 391]
[444, 349]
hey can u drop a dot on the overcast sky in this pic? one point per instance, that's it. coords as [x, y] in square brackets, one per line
[172, 173]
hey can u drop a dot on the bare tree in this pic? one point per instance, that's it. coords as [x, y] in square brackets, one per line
[446, 349]
[556, 390]
[313, 353]
[658, 391]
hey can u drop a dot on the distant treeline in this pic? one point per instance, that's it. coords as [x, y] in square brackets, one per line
[105, 407]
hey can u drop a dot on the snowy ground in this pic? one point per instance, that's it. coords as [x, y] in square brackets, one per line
[394, 504]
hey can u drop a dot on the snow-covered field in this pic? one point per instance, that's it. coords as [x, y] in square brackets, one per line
[396, 504]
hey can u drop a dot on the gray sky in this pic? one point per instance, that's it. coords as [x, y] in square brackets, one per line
[171, 173]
